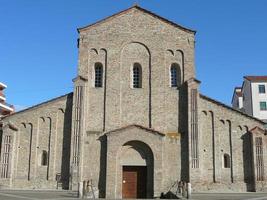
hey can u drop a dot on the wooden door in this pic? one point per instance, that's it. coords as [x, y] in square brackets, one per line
[134, 182]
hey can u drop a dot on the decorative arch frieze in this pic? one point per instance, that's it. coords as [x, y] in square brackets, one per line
[170, 51]
[229, 124]
[205, 112]
[175, 56]
[180, 55]
[222, 121]
[24, 146]
[93, 50]
[135, 52]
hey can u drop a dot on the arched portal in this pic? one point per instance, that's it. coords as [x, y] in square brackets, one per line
[137, 166]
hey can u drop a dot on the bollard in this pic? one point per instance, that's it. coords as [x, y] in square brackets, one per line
[180, 187]
[189, 191]
[183, 189]
[80, 186]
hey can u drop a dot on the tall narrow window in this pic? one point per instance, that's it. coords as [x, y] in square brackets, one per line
[98, 74]
[263, 105]
[137, 75]
[226, 161]
[6, 157]
[262, 89]
[44, 158]
[175, 75]
[259, 159]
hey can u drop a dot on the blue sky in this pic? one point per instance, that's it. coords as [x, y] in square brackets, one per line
[39, 56]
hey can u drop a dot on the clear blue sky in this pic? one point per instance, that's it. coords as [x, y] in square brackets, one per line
[38, 53]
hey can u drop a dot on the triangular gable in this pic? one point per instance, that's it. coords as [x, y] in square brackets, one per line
[79, 78]
[140, 9]
[11, 126]
[258, 130]
[136, 126]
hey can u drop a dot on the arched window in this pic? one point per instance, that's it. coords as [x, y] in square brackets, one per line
[175, 75]
[226, 161]
[44, 158]
[98, 74]
[137, 75]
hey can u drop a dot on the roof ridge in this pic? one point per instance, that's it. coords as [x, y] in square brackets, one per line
[230, 108]
[39, 104]
[142, 9]
[256, 78]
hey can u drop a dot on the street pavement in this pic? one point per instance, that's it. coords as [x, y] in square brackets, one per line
[229, 196]
[69, 195]
[37, 194]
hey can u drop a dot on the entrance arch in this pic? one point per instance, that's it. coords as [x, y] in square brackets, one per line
[137, 166]
[139, 140]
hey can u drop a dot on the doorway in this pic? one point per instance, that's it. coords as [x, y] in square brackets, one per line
[134, 182]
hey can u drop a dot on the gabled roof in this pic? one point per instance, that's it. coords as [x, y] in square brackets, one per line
[137, 126]
[141, 9]
[256, 78]
[39, 105]
[257, 129]
[230, 108]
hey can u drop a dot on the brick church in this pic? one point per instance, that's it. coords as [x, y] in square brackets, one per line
[136, 121]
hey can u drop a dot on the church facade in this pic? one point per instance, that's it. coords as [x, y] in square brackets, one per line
[136, 122]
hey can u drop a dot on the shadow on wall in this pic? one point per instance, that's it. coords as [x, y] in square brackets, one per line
[65, 165]
[247, 162]
[182, 106]
[103, 165]
[1, 135]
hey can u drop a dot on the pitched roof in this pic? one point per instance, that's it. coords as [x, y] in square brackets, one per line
[40, 104]
[230, 108]
[256, 78]
[143, 10]
[258, 129]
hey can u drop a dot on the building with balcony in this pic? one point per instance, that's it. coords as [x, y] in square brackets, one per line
[251, 98]
[5, 108]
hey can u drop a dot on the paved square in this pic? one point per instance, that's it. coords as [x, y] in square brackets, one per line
[34, 195]
[227, 196]
[69, 195]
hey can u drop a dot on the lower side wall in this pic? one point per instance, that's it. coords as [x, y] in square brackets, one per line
[229, 187]
[221, 187]
[196, 187]
[25, 184]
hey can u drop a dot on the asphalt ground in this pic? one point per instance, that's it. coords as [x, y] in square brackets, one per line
[68, 195]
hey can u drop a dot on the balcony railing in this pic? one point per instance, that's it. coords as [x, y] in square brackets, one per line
[6, 106]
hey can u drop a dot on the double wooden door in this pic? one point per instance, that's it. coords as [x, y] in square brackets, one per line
[134, 181]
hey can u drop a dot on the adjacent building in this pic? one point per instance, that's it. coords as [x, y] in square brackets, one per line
[5, 108]
[136, 122]
[251, 98]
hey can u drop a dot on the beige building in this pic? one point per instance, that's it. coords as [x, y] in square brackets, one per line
[251, 98]
[5, 108]
[136, 122]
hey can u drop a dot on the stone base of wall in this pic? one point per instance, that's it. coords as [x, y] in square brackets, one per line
[261, 186]
[221, 187]
[25, 184]
[5, 183]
